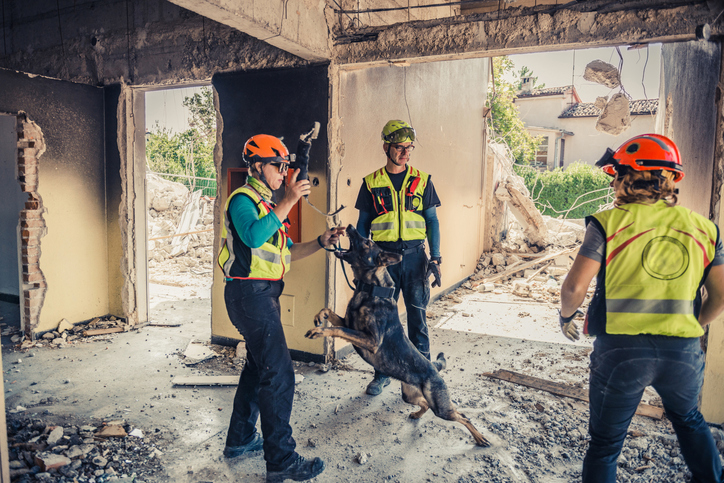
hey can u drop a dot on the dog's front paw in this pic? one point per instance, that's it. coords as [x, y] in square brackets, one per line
[314, 333]
[321, 317]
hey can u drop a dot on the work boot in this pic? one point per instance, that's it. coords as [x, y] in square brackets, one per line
[254, 445]
[300, 469]
[378, 383]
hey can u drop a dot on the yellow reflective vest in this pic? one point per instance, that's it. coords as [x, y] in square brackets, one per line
[239, 261]
[399, 214]
[655, 263]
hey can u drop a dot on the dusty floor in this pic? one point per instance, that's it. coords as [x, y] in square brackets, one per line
[536, 436]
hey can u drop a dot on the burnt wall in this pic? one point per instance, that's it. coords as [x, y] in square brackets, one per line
[140, 42]
[70, 191]
[690, 75]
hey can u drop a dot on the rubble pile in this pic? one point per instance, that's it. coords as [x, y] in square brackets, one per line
[173, 210]
[81, 453]
[67, 333]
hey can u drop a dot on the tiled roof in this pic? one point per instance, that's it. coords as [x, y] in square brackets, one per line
[587, 109]
[546, 91]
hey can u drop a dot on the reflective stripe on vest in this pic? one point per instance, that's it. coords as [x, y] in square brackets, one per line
[402, 220]
[655, 261]
[269, 261]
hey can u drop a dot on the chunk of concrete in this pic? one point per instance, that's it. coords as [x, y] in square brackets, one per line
[602, 73]
[48, 461]
[616, 116]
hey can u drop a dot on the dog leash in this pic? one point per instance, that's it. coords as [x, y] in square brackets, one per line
[338, 248]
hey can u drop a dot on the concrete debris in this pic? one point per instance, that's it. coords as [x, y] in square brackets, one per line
[616, 116]
[361, 458]
[600, 102]
[64, 325]
[514, 193]
[197, 352]
[77, 456]
[602, 73]
[170, 256]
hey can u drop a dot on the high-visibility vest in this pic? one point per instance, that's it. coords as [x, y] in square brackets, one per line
[656, 260]
[239, 261]
[399, 214]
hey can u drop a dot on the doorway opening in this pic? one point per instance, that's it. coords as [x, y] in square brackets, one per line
[180, 190]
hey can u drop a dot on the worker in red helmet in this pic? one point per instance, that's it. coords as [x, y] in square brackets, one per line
[650, 258]
[255, 254]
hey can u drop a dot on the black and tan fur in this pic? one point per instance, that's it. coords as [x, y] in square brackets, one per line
[373, 326]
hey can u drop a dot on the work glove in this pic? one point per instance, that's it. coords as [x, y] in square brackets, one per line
[433, 268]
[568, 327]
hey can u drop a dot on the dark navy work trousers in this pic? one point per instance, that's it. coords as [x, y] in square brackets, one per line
[622, 367]
[410, 279]
[266, 385]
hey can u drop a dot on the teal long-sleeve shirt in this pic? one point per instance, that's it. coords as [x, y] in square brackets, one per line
[252, 230]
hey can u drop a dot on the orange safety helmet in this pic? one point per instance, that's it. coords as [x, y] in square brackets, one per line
[265, 148]
[645, 152]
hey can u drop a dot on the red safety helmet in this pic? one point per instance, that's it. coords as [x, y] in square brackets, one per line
[645, 152]
[265, 148]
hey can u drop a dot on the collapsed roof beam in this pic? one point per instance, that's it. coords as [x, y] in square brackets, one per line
[295, 26]
[526, 30]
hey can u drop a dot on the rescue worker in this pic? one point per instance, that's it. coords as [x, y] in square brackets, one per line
[255, 254]
[397, 209]
[650, 258]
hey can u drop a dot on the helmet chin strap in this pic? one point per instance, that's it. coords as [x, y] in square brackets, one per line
[262, 178]
[387, 152]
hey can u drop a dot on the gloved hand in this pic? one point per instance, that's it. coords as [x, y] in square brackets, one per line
[568, 327]
[433, 268]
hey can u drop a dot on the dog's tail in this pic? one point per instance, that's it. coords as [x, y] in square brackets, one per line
[440, 362]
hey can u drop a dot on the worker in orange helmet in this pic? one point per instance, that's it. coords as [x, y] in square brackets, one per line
[650, 258]
[255, 254]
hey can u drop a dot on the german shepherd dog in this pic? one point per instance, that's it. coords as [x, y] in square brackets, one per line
[373, 326]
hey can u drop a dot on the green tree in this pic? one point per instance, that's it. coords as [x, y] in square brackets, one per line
[190, 153]
[506, 122]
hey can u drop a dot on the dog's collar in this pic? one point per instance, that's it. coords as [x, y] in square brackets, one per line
[376, 290]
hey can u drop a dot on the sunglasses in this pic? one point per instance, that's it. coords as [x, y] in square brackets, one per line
[402, 149]
[282, 167]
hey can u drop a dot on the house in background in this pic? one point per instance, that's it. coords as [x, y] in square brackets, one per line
[568, 126]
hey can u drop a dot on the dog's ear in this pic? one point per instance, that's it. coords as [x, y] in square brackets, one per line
[385, 259]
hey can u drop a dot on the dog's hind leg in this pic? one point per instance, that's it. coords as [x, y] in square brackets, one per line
[440, 362]
[412, 395]
[440, 403]
[327, 314]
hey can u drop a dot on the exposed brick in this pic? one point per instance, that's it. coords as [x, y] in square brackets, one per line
[31, 268]
[33, 302]
[30, 260]
[31, 214]
[31, 223]
[32, 277]
[32, 205]
[31, 251]
[31, 232]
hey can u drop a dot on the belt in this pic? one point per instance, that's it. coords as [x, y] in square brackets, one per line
[406, 251]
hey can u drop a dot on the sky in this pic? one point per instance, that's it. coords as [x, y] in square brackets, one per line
[166, 107]
[557, 69]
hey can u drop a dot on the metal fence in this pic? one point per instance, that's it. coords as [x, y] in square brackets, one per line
[193, 183]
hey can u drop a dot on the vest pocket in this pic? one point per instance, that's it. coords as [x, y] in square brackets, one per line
[382, 199]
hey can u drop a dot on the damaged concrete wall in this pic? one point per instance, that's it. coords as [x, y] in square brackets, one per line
[137, 41]
[296, 26]
[13, 202]
[687, 114]
[70, 179]
[522, 30]
[447, 114]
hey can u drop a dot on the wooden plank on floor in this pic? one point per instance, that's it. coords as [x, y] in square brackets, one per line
[565, 390]
[111, 330]
[206, 381]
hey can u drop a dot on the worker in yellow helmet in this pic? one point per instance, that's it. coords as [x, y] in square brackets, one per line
[397, 209]
[255, 254]
[651, 259]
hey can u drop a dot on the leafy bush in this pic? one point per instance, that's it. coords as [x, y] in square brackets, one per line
[575, 192]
